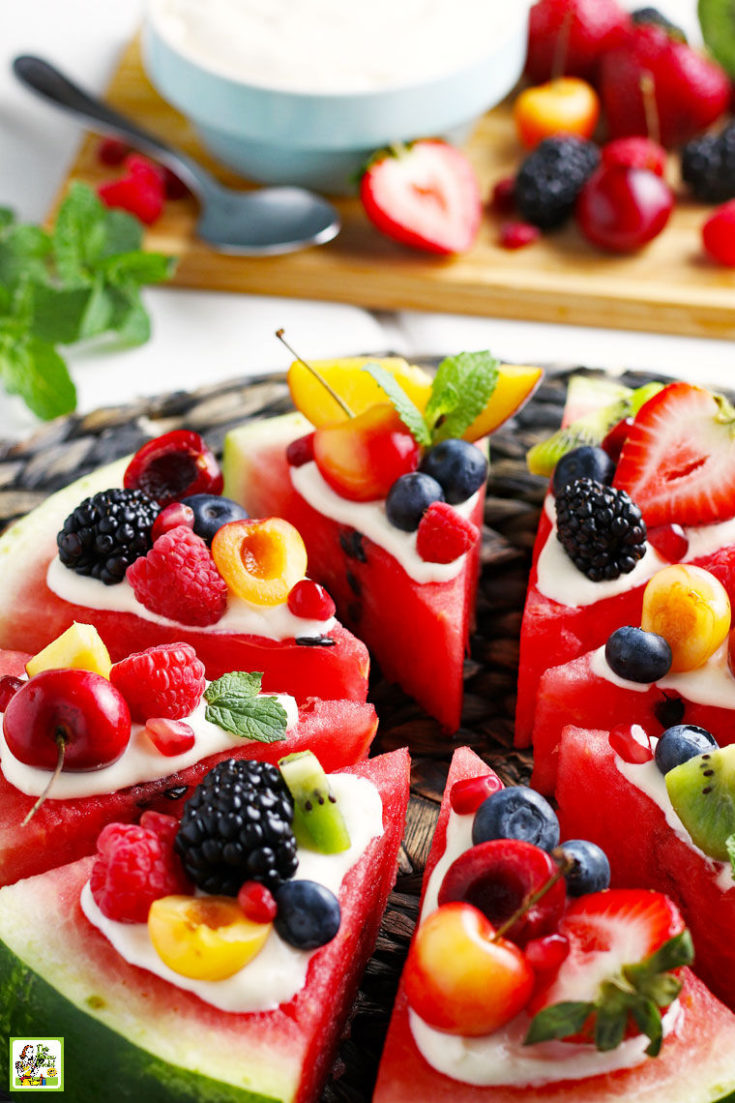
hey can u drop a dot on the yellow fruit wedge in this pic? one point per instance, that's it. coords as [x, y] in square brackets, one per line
[516, 383]
[358, 389]
[79, 648]
[205, 938]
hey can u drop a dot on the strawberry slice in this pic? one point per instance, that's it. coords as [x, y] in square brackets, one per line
[425, 195]
[678, 462]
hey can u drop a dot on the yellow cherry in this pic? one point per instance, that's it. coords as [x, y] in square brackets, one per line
[204, 937]
[690, 608]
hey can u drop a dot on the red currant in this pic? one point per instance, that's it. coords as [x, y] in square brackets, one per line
[545, 955]
[170, 737]
[670, 541]
[502, 199]
[170, 517]
[516, 235]
[300, 451]
[257, 902]
[311, 601]
[9, 686]
[631, 743]
[467, 795]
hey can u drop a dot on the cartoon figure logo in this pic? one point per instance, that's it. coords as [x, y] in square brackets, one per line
[37, 1064]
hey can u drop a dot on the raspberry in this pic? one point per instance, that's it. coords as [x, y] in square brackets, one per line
[164, 826]
[179, 580]
[141, 192]
[444, 535]
[514, 235]
[167, 681]
[134, 866]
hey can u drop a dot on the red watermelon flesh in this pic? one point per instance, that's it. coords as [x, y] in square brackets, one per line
[597, 802]
[338, 732]
[298, 1039]
[695, 1062]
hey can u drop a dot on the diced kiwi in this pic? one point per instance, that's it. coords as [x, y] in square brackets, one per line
[702, 791]
[318, 821]
[717, 20]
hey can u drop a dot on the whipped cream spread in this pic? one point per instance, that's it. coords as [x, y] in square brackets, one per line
[139, 762]
[710, 684]
[279, 971]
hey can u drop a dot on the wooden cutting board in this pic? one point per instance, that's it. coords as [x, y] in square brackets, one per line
[670, 287]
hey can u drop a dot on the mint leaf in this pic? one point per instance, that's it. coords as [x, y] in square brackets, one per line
[98, 314]
[407, 411]
[460, 392]
[558, 1020]
[234, 704]
[58, 315]
[137, 267]
[130, 319]
[123, 233]
[79, 234]
[238, 682]
[34, 370]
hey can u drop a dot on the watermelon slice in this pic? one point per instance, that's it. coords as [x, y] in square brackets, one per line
[33, 615]
[417, 632]
[125, 1027]
[695, 1065]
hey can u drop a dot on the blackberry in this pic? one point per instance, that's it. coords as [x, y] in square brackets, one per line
[108, 532]
[551, 178]
[600, 528]
[708, 166]
[237, 827]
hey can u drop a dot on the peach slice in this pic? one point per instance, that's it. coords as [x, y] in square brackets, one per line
[516, 383]
[357, 387]
[204, 938]
[261, 561]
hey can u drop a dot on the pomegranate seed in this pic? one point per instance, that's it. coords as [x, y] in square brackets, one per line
[467, 795]
[301, 450]
[631, 743]
[616, 438]
[670, 541]
[112, 151]
[502, 198]
[310, 600]
[257, 902]
[170, 737]
[9, 686]
[172, 516]
[516, 235]
[546, 955]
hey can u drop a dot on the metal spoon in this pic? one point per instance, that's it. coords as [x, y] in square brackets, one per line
[270, 220]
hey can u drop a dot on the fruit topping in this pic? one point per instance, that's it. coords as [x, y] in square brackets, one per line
[318, 823]
[690, 608]
[467, 795]
[590, 871]
[112, 151]
[572, 34]
[425, 195]
[566, 105]
[174, 466]
[585, 462]
[635, 152]
[517, 813]
[637, 655]
[460, 978]
[79, 648]
[631, 743]
[718, 235]
[211, 512]
[670, 541]
[170, 517]
[170, 737]
[204, 937]
[141, 191]
[178, 579]
[516, 235]
[134, 865]
[498, 877]
[443, 535]
[708, 165]
[551, 178]
[459, 467]
[680, 743]
[300, 451]
[309, 599]
[236, 827]
[163, 826]
[410, 497]
[545, 955]
[702, 791]
[257, 902]
[502, 198]
[308, 916]
[600, 529]
[261, 561]
[9, 686]
[361, 459]
[621, 209]
[163, 681]
[312, 388]
[106, 533]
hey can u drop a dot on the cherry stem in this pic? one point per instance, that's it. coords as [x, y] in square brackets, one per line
[648, 92]
[561, 46]
[61, 745]
[565, 864]
[317, 375]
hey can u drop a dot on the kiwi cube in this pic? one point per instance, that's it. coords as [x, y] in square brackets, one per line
[318, 821]
[702, 791]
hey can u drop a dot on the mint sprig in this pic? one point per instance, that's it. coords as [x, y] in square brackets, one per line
[78, 281]
[234, 704]
[407, 410]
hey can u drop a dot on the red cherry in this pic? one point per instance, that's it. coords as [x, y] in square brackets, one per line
[257, 902]
[670, 541]
[631, 743]
[361, 458]
[621, 208]
[171, 517]
[170, 737]
[82, 709]
[300, 451]
[467, 795]
[616, 438]
[718, 235]
[516, 235]
[174, 466]
[545, 955]
[311, 601]
[636, 152]
[9, 686]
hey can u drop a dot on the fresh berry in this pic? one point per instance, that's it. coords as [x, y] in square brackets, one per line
[106, 533]
[425, 195]
[459, 467]
[141, 192]
[443, 535]
[635, 152]
[163, 826]
[112, 151]
[600, 529]
[502, 197]
[585, 462]
[718, 235]
[658, 19]
[631, 743]
[173, 186]
[237, 827]
[708, 165]
[516, 235]
[204, 937]
[460, 978]
[680, 743]
[261, 561]
[670, 541]
[134, 866]
[638, 656]
[211, 512]
[9, 686]
[551, 178]
[308, 599]
[300, 451]
[410, 497]
[565, 105]
[178, 579]
[174, 466]
[74, 708]
[621, 209]
[613, 442]
[572, 34]
[467, 795]
[170, 737]
[257, 902]
[498, 876]
[517, 813]
[690, 608]
[590, 871]
[171, 517]
[360, 459]
[545, 955]
[308, 916]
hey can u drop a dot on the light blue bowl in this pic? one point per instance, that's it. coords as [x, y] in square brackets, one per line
[322, 140]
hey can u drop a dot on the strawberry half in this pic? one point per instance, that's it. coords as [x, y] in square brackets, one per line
[425, 195]
[678, 462]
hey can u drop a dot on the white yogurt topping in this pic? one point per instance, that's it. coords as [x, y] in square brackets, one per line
[369, 518]
[279, 971]
[274, 622]
[710, 684]
[329, 46]
[140, 761]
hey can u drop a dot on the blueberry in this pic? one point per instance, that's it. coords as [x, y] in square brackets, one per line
[211, 512]
[680, 743]
[308, 914]
[409, 498]
[459, 467]
[516, 813]
[591, 869]
[585, 462]
[638, 656]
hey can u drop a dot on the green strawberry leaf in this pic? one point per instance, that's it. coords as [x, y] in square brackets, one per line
[460, 392]
[559, 1020]
[648, 1020]
[234, 704]
[611, 1017]
[407, 411]
[675, 952]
